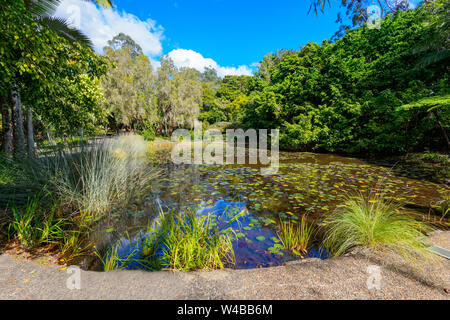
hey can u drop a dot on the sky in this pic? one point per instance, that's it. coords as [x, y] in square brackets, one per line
[231, 36]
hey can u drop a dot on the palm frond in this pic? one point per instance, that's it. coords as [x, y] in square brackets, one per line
[102, 3]
[63, 29]
[433, 58]
[42, 8]
[46, 8]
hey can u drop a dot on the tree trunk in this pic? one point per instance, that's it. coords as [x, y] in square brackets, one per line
[49, 137]
[30, 133]
[6, 126]
[18, 134]
[444, 133]
[82, 139]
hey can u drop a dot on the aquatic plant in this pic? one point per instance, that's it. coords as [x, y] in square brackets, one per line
[23, 224]
[191, 242]
[111, 260]
[295, 237]
[74, 243]
[52, 231]
[32, 228]
[184, 241]
[372, 221]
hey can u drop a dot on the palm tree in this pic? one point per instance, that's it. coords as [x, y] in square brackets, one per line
[43, 11]
[436, 43]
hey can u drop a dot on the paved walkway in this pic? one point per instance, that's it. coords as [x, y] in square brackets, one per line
[338, 278]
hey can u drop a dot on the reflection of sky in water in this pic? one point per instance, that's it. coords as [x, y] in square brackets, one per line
[254, 243]
[307, 184]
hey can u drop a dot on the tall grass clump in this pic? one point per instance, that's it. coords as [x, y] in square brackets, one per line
[192, 242]
[111, 260]
[107, 174]
[372, 221]
[183, 241]
[31, 227]
[296, 237]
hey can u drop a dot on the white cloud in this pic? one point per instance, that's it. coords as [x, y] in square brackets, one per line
[413, 4]
[192, 59]
[101, 25]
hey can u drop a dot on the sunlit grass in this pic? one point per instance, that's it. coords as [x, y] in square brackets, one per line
[372, 221]
[182, 241]
[31, 227]
[111, 260]
[296, 237]
[191, 242]
[108, 174]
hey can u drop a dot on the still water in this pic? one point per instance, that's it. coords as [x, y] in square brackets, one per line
[306, 184]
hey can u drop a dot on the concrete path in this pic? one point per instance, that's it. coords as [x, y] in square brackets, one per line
[356, 276]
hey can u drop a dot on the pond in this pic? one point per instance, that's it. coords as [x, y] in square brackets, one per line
[307, 184]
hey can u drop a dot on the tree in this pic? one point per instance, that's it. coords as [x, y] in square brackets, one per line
[23, 43]
[179, 96]
[210, 76]
[28, 42]
[129, 88]
[436, 31]
[189, 92]
[6, 125]
[359, 11]
[343, 96]
[432, 105]
[122, 40]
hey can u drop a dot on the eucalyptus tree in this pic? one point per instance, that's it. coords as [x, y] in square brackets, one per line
[178, 96]
[129, 87]
[189, 97]
[122, 40]
[166, 95]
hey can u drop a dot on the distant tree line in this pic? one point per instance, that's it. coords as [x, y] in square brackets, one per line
[372, 90]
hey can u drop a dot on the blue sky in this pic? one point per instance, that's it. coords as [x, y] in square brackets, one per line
[229, 35]
[235, 32]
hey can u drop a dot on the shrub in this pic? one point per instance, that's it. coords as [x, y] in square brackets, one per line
[371, 221]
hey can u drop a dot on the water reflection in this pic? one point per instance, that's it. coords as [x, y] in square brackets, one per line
[307, 184]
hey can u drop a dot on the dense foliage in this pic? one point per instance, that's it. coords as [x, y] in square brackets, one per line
[53, 78]
[344, 96]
